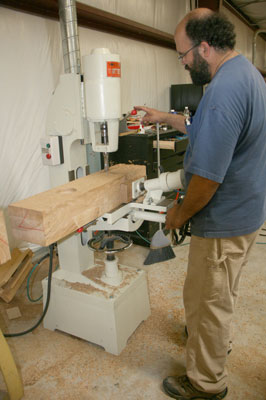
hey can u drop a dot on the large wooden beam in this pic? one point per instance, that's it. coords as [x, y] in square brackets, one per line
[50, 216]
[4, 246]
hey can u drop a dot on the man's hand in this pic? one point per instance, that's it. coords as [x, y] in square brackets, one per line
[173, 218]
[152, 115]
[199, 192]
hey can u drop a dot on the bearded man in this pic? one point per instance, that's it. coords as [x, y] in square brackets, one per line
[225, 201]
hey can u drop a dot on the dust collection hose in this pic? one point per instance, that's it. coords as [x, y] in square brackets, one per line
[166, 182]
[51, 250]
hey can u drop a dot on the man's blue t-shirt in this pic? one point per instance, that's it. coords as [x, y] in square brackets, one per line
[227, 144]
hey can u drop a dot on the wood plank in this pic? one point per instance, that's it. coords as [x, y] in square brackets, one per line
[13, 282]
[8, 292]
[50, 216]
[4, 246]
[8, 269]
[128, 133]
[165, 144]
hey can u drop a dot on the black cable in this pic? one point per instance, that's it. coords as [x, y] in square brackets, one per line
[184, 231]
[51, 248]
[29, 277]
[43, 258]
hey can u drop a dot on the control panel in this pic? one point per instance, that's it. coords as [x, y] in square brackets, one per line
[52, 150]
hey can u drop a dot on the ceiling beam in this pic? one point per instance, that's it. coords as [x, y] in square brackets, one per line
[94, 18]
[239, 14]
[242, 17]
[213, 5]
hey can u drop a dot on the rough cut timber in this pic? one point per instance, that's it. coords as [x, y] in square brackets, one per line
[50, 216]
[14, 272]
[4, 246]
[8, 269]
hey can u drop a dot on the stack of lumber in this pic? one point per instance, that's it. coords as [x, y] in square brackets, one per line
[14, 272]
[4, 246]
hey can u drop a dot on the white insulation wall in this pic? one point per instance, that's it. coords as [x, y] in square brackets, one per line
[31, 62]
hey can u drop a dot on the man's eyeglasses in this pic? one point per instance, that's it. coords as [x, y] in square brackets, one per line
[182, 55]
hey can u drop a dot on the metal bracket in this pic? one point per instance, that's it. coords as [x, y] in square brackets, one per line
[136, 192]
[124, 218]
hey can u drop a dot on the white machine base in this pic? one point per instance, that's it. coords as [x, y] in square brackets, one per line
[84, 306]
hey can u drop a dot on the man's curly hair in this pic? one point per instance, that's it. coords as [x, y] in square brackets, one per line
[215, 29]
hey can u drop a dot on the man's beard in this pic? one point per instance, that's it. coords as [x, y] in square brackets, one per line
[199, 71]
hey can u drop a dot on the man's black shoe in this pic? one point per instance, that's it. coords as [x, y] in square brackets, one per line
[179, 387]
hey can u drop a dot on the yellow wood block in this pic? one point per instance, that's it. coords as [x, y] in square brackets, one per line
[9, 370]
[4, 246]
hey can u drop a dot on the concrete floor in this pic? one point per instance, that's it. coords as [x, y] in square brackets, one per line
[57, 366]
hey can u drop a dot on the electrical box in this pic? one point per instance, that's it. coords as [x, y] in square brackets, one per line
[52, 150]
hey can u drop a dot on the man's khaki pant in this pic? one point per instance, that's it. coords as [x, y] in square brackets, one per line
[210, 293]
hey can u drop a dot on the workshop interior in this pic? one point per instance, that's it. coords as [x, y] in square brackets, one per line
[85, 188]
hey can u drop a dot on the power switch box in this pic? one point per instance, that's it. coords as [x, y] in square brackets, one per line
[52, 150]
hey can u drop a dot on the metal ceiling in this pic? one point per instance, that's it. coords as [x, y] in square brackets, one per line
[253, 11]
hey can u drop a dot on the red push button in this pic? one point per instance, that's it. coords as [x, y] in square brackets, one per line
[48, 156]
